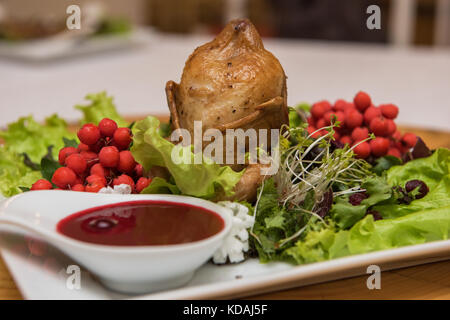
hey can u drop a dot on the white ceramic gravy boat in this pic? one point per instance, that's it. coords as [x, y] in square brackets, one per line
[130, 269]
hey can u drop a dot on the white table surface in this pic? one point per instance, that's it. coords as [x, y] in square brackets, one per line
[417, 80]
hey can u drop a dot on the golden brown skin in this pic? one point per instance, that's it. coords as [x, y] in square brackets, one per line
[231, 82]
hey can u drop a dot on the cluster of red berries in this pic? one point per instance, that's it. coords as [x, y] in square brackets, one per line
[358, 119]
[101, 159]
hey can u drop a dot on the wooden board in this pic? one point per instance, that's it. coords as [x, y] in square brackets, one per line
[428, 281]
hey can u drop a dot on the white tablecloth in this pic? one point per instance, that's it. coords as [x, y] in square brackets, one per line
[417, 80]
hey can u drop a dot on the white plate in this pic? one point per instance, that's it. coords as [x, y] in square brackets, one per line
[49, 49]
[45, 277]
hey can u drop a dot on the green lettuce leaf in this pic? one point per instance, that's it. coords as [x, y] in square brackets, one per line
[346, 215]
[101, 106]
[30, 137]
[434, 171]
[159, 185]
[199, 180]
[368, 235]
[14, 174]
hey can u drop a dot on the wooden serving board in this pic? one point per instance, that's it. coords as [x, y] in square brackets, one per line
[430, 280]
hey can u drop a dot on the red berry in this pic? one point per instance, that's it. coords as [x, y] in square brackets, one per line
[90, 157]
[354, 119]
[64, 153]
[346, 140]
[379, 126]
[340, 116]
[77, 163]
[142, 183]
[340, 105]
[319, 108]
[360, 134]
[336, 136]
[95, 187]
[397, 136]
[124, 179]
[95, 183]
[392, 127]
[109, 157]
[362, 101]
[311, 129]
[96, 178]
[379, 146]
[389, 111]
[126, 162]
[89, 134]
[139, 170]
[317, 111]
[362, 150]
[41, 184]
[98, 169]
[83, 147]
[107, 127]
[328, 116]
[122, 138]
[78, 180]
[64, 177]
[321, 123]
[409, 140]
[96, 147]
[311, 121]
[394, 152]
[371, 113]
[78, 187]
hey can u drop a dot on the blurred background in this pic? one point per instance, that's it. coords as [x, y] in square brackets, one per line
[324, 46]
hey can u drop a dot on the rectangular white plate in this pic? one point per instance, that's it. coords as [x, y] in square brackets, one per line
[45, 277]
[48, 49]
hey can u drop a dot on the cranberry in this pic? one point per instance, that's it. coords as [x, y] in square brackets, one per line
[64, 153]
[409, 140]
[376, 215]
[371, 113]
[124, 179]
[122, 138]
[414, 184]
[353, 119]
[356, 198]
[362, 150]
[362, 101]
[107, 127]
[379, 146]
[379, 126]
[89, 134]
[78, 187]
[109, 157]
[64, 177]
[126, 162]
[390, 110]
[360, 133]
[41, 184]
[142, 183]
[77, 163]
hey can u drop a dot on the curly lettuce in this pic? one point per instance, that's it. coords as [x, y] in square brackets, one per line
[14, 174]
[28, 136]
[203, 180]
[101, 106]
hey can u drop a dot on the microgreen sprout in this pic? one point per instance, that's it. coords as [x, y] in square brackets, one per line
[313, 166]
